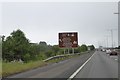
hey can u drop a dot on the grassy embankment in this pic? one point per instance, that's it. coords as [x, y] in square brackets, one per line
[0, 68]
[17, 67]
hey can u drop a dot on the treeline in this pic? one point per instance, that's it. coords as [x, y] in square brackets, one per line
[17, 47]
[118, 47]
[0, 48]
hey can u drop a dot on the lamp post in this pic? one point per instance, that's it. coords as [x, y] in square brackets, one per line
[106, 36]
[111, 31]
[117, 13]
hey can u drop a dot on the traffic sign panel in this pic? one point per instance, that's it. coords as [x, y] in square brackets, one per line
[68, 40]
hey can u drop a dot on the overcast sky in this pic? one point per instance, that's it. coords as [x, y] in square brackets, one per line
[42, 21]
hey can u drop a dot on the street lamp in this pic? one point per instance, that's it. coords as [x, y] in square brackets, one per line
[118, 27]
[116, 13]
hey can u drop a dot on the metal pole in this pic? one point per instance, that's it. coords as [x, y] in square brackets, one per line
[118, 21]
[111, 30]
[112, 37]
[73, 50]
[64, 51]
[68, 51]
[107, 41]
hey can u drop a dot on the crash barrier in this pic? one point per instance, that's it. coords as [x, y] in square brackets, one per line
[57, 56]
[60, 56]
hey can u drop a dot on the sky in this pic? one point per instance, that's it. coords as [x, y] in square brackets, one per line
[42, 21]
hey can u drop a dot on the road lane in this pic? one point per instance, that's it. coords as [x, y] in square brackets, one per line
[57, 70]
[101, 65]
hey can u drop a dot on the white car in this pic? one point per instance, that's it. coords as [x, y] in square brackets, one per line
[103, 50]
[108, 51]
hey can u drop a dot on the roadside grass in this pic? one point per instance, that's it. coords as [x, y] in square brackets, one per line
[17, 67]
[0, 68]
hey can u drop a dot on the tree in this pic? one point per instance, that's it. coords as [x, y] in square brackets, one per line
[3, 38]
[21, 44]
[43, 43]
[55, 49]
[7, 49]
[0, 47]
[34, 50]
[91, 47]
[16, 46]
[83, 48]
[43, 46]
[118, 47]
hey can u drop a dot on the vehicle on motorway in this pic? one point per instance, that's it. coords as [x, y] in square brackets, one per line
[113, 53]
[108, 51]
[104, 50]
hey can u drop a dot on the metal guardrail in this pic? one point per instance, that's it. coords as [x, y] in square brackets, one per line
[59, 56]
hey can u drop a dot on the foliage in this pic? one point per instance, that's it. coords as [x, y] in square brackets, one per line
[83, 48]
[17, 47]
[119, 47]
[0, 49]
[91, 47]
[56, 49]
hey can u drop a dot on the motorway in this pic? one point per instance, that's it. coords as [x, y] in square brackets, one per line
[100, 65]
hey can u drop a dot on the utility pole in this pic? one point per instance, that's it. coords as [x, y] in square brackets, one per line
[117, 13]
[111, 30]
[107, 40]
[106, 36]
[112, 37]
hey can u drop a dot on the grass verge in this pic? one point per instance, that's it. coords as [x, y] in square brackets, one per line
[0, 68]
[16, 67]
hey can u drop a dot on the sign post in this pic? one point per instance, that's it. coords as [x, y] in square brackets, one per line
[64, 51]
[68, 40]
[73, 50]
[68, 51]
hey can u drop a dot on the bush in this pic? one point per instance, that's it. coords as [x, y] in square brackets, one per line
[83, 48]
[26, 57]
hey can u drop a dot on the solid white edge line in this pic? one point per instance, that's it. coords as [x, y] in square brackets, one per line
[78, 70]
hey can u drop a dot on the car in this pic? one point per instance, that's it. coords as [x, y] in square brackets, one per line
[113, 53]
[103, 50]
[108, 51]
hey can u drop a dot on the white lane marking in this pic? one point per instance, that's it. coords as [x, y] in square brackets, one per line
[78, 70]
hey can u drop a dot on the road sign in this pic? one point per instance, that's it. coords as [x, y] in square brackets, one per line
[68, 40]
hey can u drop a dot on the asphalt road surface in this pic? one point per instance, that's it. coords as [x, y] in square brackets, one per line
[100, 65]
